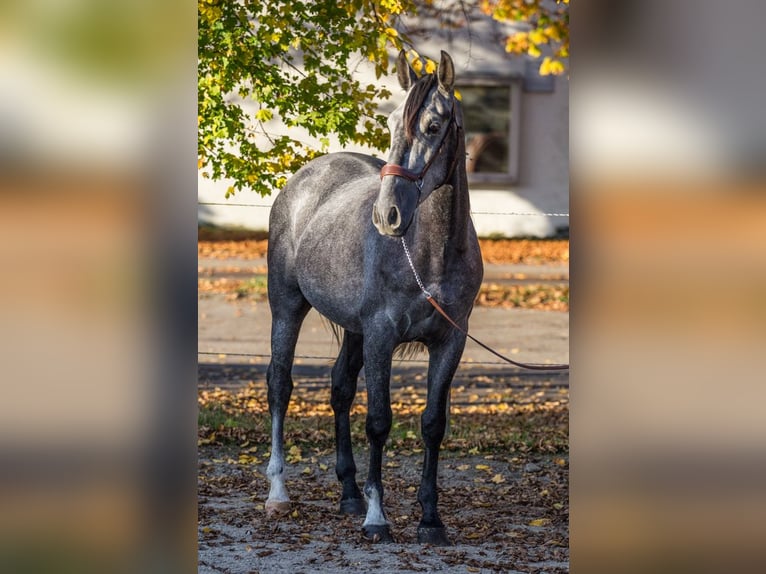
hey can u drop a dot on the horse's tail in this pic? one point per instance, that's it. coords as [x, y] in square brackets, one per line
[404, 352]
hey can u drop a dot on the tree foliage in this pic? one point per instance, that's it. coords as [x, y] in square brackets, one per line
[548, 29]
[293, 61]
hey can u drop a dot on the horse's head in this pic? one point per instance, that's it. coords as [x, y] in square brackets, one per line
[425, 132]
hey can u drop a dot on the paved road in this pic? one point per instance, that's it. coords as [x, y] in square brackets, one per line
[238, 327]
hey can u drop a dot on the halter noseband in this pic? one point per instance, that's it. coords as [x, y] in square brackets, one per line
[417, 178]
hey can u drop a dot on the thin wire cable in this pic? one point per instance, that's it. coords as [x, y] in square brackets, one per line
[521, 213]
[323, 358]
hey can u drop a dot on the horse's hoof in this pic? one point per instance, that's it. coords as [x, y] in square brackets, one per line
[354, 506]
[436, 536]
[377, 533]
[277, 508]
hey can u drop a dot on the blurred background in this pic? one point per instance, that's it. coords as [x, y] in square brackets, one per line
[97, 301]
[667, 144]
[97, 316]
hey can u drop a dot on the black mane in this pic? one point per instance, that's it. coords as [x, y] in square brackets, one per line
[414, 102]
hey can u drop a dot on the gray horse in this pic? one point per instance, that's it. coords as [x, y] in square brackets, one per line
[338, 238]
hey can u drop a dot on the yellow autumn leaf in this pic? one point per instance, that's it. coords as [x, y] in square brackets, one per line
[552, 32]
[430, 66]
[264, 115]
[464, 467]
[392, 32]
[458, 95]
[540, 522]
[306, 470]
[545, 67]
[498, 479]
[533, 51]
[482, 467]
[294, 454]
[537, 37]
[474, 535]
[557, 68]
[322, 466]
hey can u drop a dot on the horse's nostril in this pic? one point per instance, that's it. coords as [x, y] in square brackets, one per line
[393, 217]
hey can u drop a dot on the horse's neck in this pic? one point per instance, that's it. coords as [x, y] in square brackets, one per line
[443, 222]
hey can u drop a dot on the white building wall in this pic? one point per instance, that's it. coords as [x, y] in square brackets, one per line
[543, 183]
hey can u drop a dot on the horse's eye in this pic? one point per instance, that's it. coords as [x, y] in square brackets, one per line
[434, 128]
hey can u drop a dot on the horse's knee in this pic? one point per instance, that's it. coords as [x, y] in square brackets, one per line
[379, 425]
[433, 428]
[341, 396]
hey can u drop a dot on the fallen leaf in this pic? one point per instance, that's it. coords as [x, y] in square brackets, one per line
[540, 522]
[498, 478]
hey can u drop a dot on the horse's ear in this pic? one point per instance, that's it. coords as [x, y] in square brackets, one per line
[404, 71]
[446, 73]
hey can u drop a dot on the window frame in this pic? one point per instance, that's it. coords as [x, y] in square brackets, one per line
[514, 129]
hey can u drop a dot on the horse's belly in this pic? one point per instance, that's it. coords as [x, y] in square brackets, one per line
[329, 267]
[333, 296]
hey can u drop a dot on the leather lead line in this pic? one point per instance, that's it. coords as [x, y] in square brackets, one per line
[443, 313]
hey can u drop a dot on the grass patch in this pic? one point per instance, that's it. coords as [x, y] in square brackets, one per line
[508, 425]
[255, 287]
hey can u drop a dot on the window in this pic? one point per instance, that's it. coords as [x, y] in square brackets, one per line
[491, 124]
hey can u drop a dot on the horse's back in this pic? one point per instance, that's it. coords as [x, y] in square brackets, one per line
[316, 232]
[315, 183]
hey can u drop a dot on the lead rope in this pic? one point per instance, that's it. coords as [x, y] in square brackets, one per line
[443, 313]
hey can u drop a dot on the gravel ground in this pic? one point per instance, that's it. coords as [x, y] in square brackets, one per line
[505, 511]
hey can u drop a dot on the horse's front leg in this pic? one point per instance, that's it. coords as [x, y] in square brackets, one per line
[443, 362]
[377, 361]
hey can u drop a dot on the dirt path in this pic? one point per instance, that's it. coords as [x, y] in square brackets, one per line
[496, 526]
[503, 477]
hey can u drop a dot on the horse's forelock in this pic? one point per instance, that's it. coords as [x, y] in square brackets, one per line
[414, 102]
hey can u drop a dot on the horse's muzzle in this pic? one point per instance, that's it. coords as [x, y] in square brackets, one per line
[389, 223]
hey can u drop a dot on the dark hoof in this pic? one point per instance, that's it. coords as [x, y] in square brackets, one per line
[354, 506]
[377, 533]
[436, 536]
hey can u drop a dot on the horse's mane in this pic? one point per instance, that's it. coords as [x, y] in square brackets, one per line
[414, 102]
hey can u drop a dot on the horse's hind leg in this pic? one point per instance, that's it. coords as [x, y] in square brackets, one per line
[443, 362]
[344, 380]
[287, 316]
